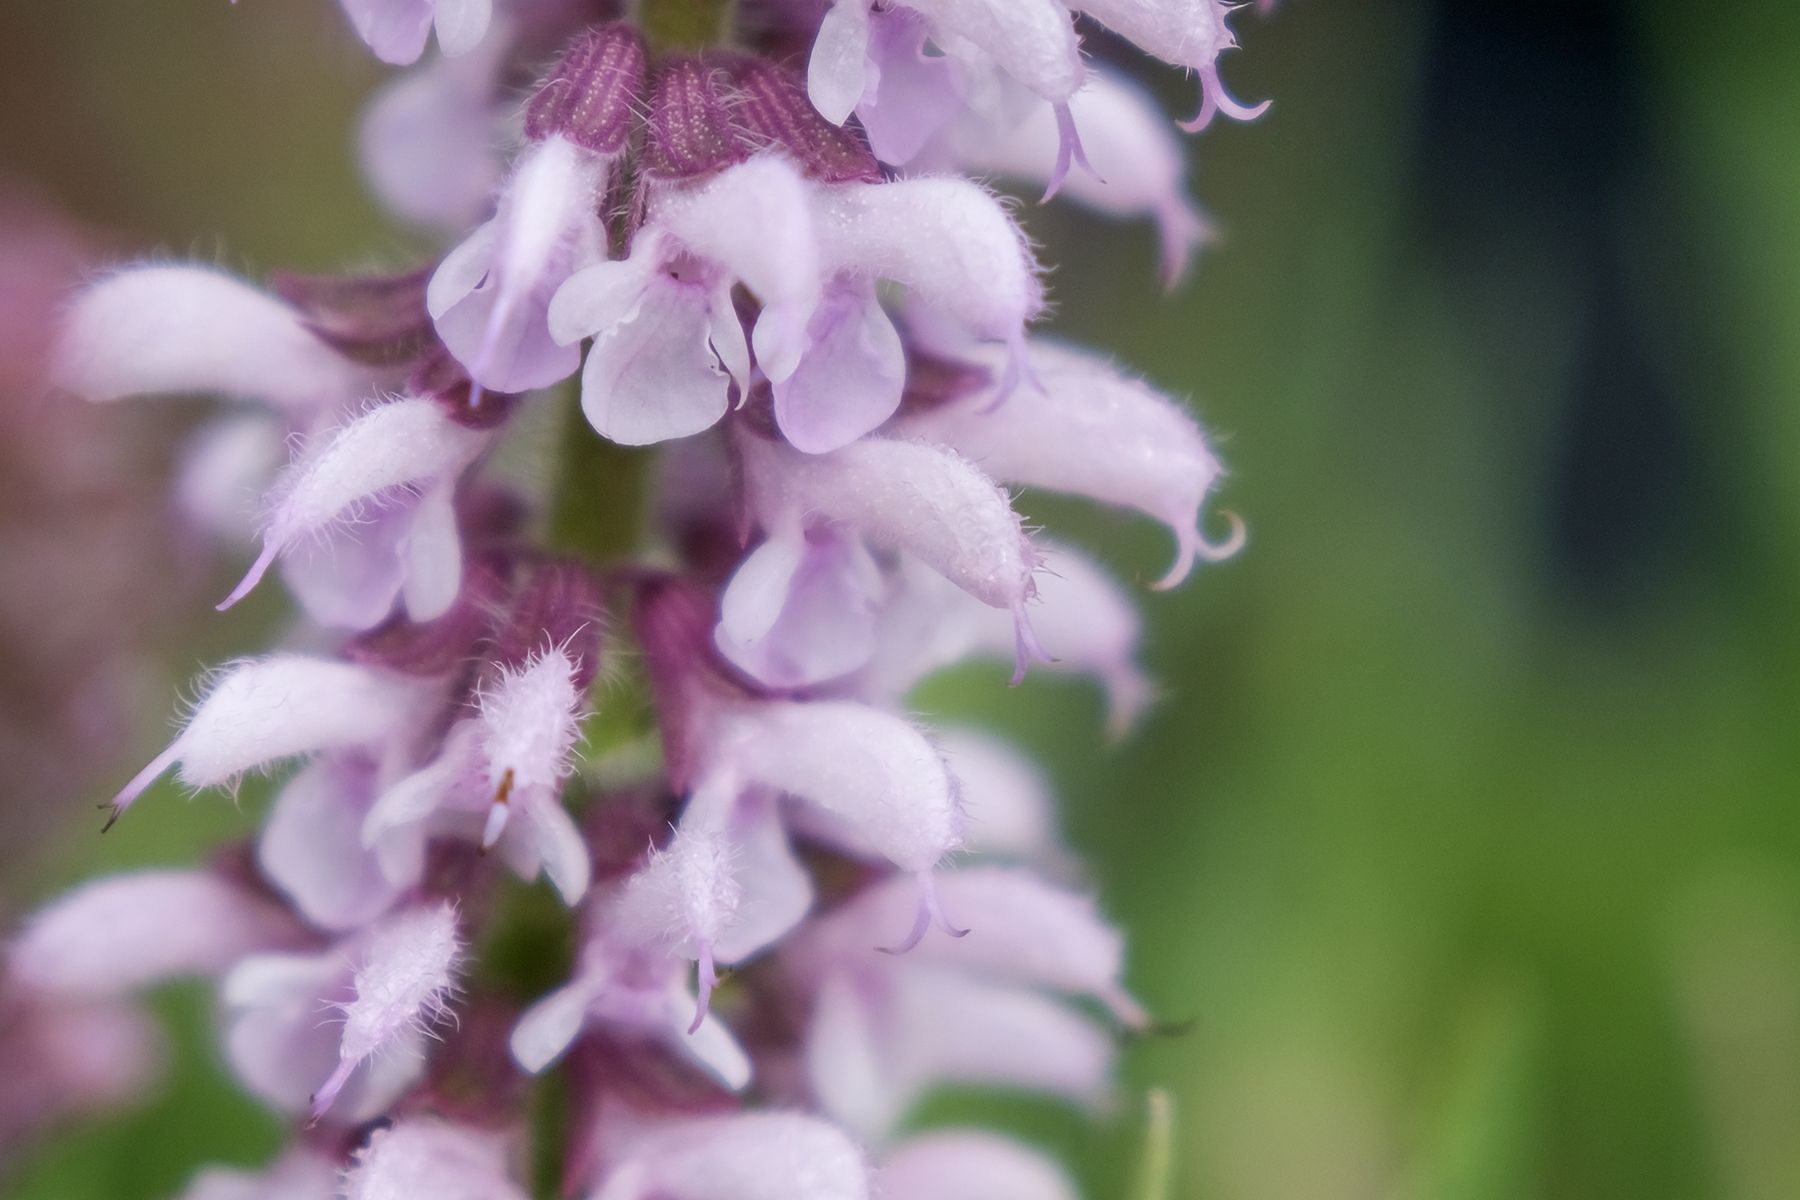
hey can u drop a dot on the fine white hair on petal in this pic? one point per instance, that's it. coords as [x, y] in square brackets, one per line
[490, 296]
[1139, 164]
[1022, 931]
[742, 1156]
[402, 985]
[1032, 40]
[162, 329]
[406, 445]
[926, 500]
[130, 931]
[268, 709]
[423, 1157]
[753, 220]
[949, 241]
[1093, 430]
[872, 771]
[971, 1164]
[299, 1174]
[530, 719]
[1008, 806]
[1186, 33]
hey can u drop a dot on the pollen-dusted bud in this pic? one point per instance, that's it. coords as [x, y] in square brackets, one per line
[691, 128]
[560, 607]
[773, 107]
[593, 91]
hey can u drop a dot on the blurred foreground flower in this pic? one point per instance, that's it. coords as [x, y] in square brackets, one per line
[772, 955]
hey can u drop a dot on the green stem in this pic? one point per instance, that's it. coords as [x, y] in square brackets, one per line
[598, 507]
[684, 24]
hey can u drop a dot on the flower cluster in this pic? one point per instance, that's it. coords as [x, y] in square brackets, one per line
[793, 910]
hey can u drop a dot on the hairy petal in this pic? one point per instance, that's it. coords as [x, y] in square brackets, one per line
[266, 710]
[1093, 430]
[971, 1164]
[425, 1157]
[130, 931]
[149, 330]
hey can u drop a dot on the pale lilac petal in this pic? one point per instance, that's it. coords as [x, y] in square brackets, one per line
[1031, 40]
[836, 73]
[427, 141]
[999, 1037]
[127, 932]
[299, 1174]
[1139, 166]
[1008, 806]
[917, 498]
[423, 1157]
[269, 709]
[912, 96]
[530, 720]
[402, 986]
[351, 579]
[462, 270]
[755, 222]
[846, 1059]
[149, 330]
[1186, 33]
[461, 24]
[547, 228]
[371, 461]
[281, 1041]
[947, 240]
[1093, 430]
[225, 469]
[753, 600]
[405, 816]
[431, 553]
[598, 298]
[396, 30]
[726, 886]
[819, 625]
[971, 1164]
[866, 768]
[310, 848]
[548, 1027]
[1022, 931]
[655, 376]
[849, 381]
[740, 1156]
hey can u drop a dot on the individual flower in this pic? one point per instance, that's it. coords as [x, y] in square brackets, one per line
[490, 296]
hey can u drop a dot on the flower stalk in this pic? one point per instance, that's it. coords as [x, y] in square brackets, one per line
[774, 910]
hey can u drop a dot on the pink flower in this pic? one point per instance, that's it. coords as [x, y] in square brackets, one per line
[397, 30]
[490, 296]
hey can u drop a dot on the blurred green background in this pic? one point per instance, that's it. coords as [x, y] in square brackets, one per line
[1466, 836]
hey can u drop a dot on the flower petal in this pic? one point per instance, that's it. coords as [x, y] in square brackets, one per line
[149, 330]
[848, 383]
[127, 932]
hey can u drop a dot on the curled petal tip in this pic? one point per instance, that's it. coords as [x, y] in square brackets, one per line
[1195, 546]
[706, 979]
[1214, 100]
[930, 913]
[1069, 152]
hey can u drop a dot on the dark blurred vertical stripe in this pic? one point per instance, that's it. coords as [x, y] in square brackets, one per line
[1555, 227]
